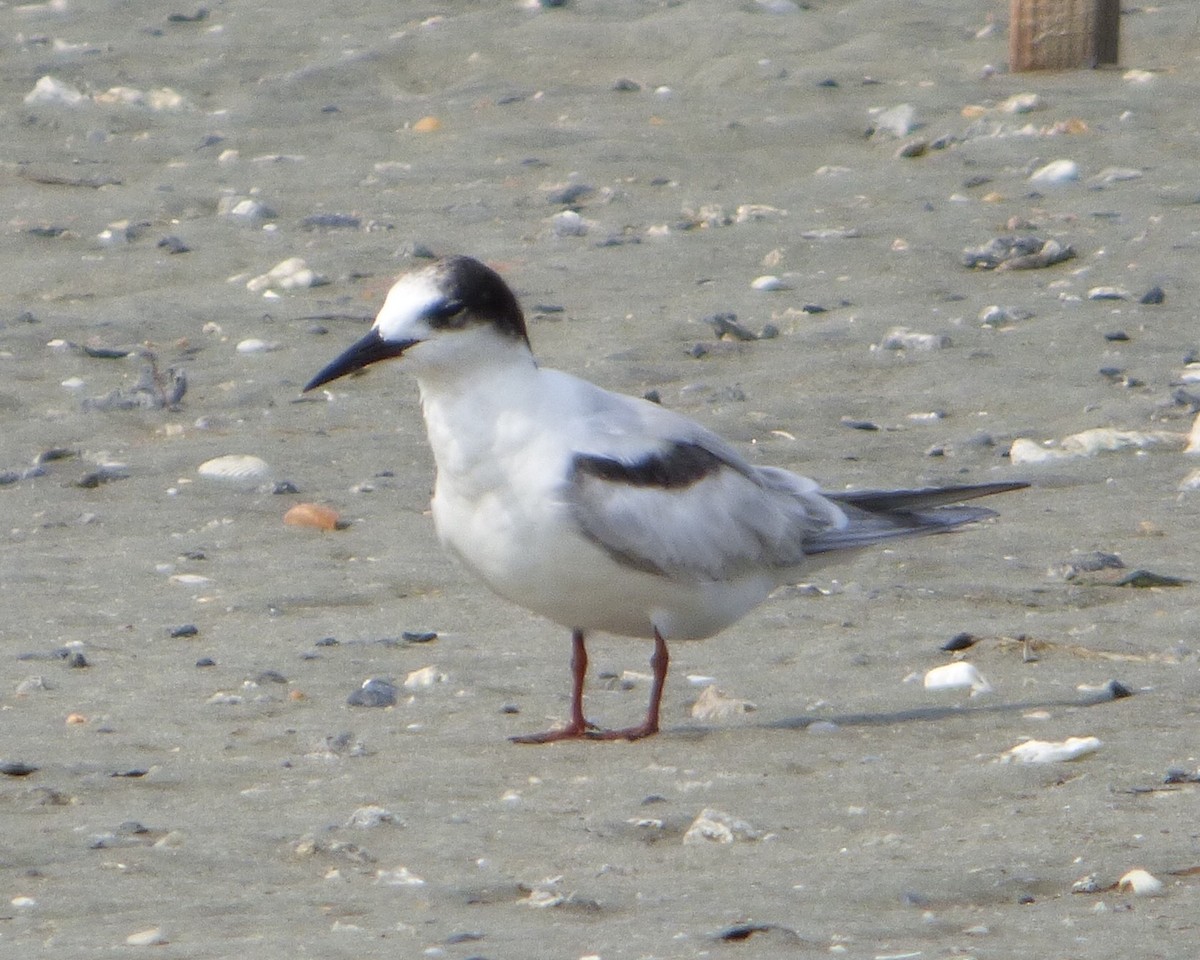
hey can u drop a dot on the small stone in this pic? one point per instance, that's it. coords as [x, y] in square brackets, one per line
[147, 938]
[901, 338]
[1153, 296]
[898, 121]
[1056, 173]
[375, 692]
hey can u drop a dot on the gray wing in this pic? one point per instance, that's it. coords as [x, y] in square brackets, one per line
[687, 507]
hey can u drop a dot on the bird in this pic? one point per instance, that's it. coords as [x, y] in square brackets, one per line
[601, 511]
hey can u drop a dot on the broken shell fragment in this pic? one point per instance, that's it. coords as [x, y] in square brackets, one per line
[715, 704]
[1141, 883]
[1047, 751]
[957, 676]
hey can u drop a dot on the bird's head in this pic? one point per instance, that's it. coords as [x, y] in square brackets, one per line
[447, 314]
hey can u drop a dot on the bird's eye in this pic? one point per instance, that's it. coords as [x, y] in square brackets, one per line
[443, 314]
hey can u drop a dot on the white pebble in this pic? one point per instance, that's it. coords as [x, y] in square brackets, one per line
[23, 903]
[254, 345]
[769, 283]
[901, 338]
[423, 679]
[960, 675]
[190, 579]
[48, 90]
[400, 877]
[1022, 103]
[1108, 293]
[364, 818]
[568, 223]
[1048, 751]
[290, 274]
[1141, 882]
[899, 121]
[147, 938]
[1055, 173]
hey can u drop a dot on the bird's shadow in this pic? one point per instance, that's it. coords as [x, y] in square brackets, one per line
[1115, 690]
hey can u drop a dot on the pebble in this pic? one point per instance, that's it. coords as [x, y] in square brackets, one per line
[912, 148]
[235, 468]
[245, 210]
[901, 338]
[331, 221]
[1089, 443]
[153, 937]
[1108, 293]
[51, 91]
[290, 274]
[568, 223]
[1153, 296]
[1117, 175]
[254, 345]
[375, 692]
[1022, 103]
[1017, 253]
[399, 877]
[898, 121]
[768, 283]
[1055, 173]
[365, 818]
[1047, 751]
[998, 316]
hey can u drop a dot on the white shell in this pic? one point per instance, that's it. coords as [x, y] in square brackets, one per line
[957, 676]
[1142, 883]
[235, 468]
[715, 826]
[769, 283]
[423, 679]
[1047, 751]
[714, 704]
[254, 345]
[1055, 173]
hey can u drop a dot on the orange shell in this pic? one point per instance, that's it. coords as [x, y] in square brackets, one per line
[427, 125]
[312, 515]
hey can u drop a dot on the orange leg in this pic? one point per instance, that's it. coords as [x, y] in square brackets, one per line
[578, 728]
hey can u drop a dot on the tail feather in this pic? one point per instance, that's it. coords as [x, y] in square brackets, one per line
[876, 515]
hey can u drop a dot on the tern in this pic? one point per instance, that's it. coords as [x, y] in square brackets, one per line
[599, 511]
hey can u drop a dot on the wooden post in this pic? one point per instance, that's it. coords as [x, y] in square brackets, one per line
[1062, 34]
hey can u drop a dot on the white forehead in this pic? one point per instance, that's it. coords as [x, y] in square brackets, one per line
[406, 303]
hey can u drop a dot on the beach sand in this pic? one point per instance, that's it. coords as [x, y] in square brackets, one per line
[199, 791]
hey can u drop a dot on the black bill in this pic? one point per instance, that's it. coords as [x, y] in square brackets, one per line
[370, 349]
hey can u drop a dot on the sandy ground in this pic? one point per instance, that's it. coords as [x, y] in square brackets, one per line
[211, 809]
